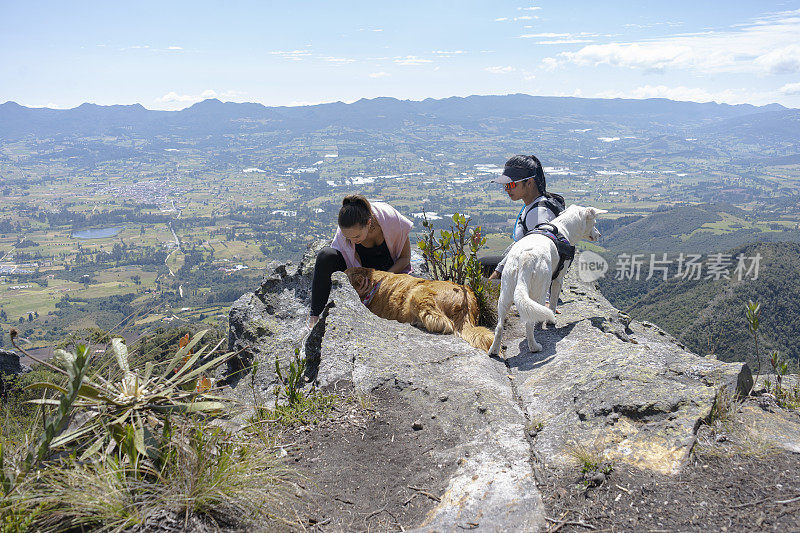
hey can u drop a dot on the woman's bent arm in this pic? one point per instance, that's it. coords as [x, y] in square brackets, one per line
[404, 260]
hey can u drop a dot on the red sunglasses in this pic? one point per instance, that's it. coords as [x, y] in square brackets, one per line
[511, 185]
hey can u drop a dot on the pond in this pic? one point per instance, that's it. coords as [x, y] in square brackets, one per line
[97, 233]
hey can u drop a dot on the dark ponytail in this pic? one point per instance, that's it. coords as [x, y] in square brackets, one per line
[355, 211]
[533, 167]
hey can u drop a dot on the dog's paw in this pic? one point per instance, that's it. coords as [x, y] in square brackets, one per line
[535, 347]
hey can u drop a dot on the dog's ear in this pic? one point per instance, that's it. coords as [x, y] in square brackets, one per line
[594, 211]
[353, 274]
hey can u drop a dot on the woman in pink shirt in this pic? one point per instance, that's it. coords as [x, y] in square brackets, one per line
[369, 235]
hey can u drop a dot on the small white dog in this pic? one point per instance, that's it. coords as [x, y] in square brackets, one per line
[527, 275]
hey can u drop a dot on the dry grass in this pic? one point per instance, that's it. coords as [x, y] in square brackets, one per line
[236, 481]
[589, 459]
[723, 412]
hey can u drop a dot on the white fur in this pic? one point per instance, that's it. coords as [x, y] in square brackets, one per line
[528, 270]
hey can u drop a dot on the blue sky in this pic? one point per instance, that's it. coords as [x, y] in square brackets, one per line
[168, 55]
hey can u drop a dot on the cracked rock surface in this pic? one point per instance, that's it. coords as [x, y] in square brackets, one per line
[615, 388]
[603, 383]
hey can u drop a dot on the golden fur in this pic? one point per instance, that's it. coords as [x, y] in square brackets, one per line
[436, 306]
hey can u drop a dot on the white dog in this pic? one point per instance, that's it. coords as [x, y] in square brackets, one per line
[527, 275]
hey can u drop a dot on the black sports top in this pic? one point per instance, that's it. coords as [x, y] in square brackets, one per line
[377, 257]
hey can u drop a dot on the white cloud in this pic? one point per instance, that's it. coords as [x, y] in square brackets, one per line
[499, 70]
[562, 38]
[447, 53]
[338, 60]
[379, 74]
[781, 60]
[766, 45]
[790, 89]
[172, 96]
[549, 63]
[294, 55]
[532, 8]
[411, 61]
[49, 105]
[653, 25]
[174, 48]
[501, 19]
[633, 55]
[566, 41]
[540, 35]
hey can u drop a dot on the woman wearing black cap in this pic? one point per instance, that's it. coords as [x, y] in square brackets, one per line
[523, 179]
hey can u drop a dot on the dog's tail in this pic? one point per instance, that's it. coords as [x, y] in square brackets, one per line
[477, 336]
[531, 311]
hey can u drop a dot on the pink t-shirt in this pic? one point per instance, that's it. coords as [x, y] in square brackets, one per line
[395, 227]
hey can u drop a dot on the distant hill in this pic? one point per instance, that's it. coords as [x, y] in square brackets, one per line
[693, 228]
[709, 316]
[512, 112]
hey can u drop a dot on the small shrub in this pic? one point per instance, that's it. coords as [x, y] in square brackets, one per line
[752, 313]
[310, 408]
[453, 256]
[290, 381]
[149, 447]
[127, 412]
[293, 405]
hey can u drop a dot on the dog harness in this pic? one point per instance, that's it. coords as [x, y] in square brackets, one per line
[371, 294]
[566, 252]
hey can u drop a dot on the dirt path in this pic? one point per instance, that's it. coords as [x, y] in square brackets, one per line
[366, 467]
[733, 483]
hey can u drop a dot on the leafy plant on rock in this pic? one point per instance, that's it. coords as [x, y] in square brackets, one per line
[453, 256]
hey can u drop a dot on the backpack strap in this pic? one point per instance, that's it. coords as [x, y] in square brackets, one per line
[553, 206]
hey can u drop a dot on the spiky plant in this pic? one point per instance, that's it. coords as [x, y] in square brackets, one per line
[126, 414]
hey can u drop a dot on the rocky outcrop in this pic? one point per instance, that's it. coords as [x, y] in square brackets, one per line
[10, 363]
[616, 388]
[623, 390]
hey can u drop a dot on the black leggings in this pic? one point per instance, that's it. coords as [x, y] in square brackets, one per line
[329, 261]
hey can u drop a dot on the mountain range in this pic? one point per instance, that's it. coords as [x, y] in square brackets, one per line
[510, 112]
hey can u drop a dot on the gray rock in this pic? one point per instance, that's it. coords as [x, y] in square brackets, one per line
[594, 388]
[268, 323]
[779, 428]
[10, 363]
[493, 483]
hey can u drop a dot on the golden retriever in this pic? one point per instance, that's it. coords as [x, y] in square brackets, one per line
[436, 306]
